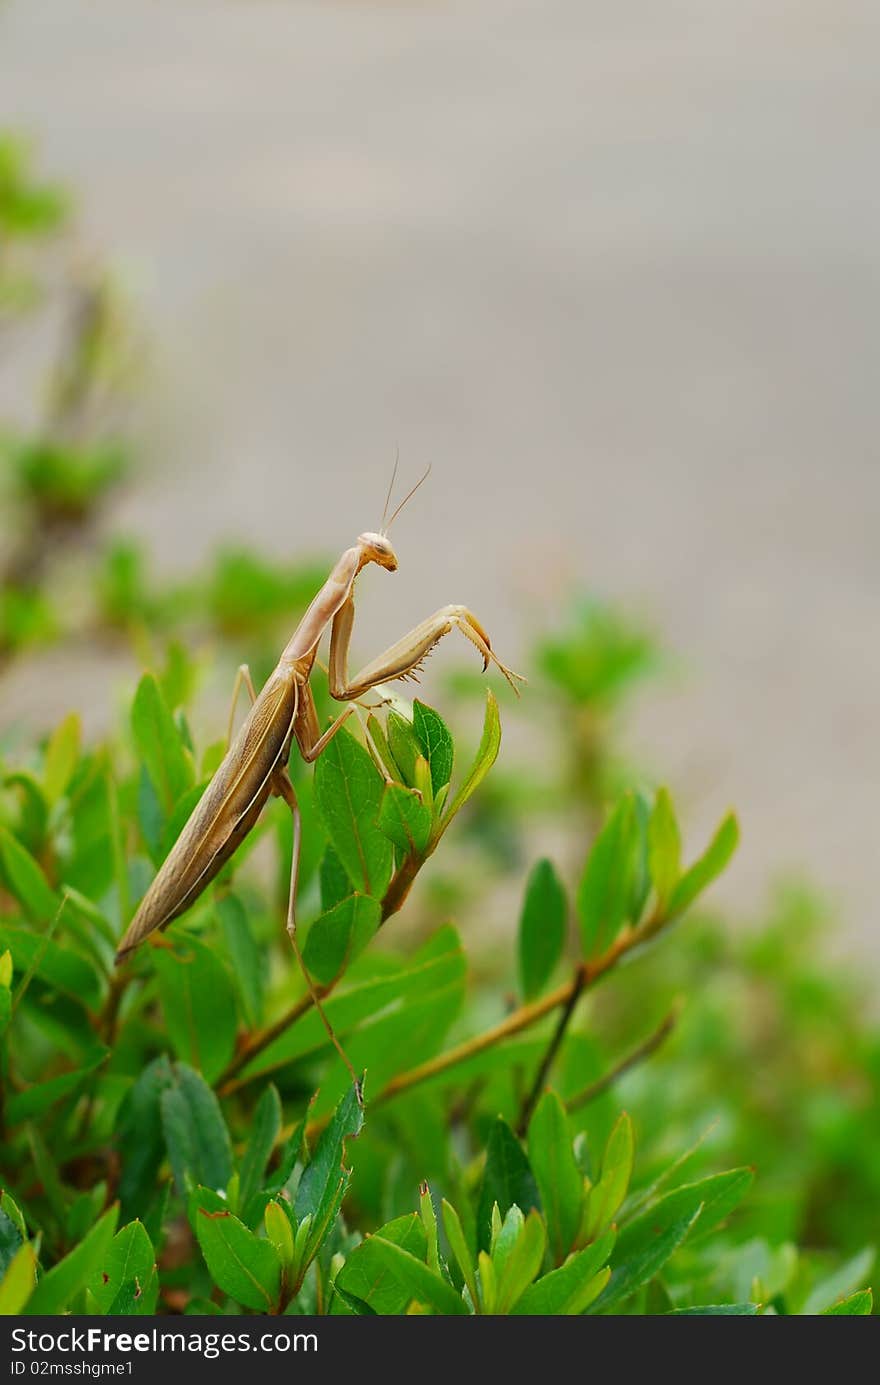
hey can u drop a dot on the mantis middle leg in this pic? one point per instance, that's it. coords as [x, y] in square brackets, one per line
[283, 787]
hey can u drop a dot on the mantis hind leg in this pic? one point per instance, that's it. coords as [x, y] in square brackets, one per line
[284, 789]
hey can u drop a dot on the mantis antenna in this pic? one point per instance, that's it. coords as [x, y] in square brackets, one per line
[390, 489]
[409, 495]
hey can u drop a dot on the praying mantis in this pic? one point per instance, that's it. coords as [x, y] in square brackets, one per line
[254, 768]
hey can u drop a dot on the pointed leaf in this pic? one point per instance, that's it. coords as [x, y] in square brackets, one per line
[264, 1132]
[19, 1281]
[541, 928]
[339, 936]
[607, 1194]
[348, 791]
[521, 1264]
[365, 1276]
[198, 1002]
[567, 1291]
[71, 1275]
[159, 743]
[24, 879]
[606, 889]
[860, 1304]
[62, 753]
[195, 1132]
[421, 1283]
[507, 1180]
[487, 753]
[559, 1180]
[128, 1261]
[241, 1264]
[325, 1179]
[841, 1282]
[435, 739]
[245, 954]
[664, 848]
[710, 865]
[642, 1262]
[405, 819]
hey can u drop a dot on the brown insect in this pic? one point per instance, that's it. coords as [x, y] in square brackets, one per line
[255, 765]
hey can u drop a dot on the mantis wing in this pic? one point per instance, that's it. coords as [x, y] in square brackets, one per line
[225, 813]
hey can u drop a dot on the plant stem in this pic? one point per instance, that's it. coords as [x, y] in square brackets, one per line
[586, 974]
[226, 1083]
[553, 1048]
[637, 1055]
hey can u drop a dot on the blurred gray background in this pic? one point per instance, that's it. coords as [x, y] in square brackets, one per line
[613, 269]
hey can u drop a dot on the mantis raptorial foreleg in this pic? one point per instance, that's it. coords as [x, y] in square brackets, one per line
[283, 787]
[404, 658]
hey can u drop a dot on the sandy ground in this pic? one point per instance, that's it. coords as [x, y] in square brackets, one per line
[613, 269]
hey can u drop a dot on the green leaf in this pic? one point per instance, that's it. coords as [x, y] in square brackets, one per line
[158, 740]
[567, 1291]
[279, 1231]
[640, 1262]
[559, 1180]
[245, 954]
[607, 886]
[195, 1132]
[198, 1002]
[664, 848]
[241, 1264]
[62, 753]
[438, 966]
[13, 1212]
[429, 1222]
[649, 1239]
[66, 1279]
[325, 1179]
[842, 1282]
[710, 865]
[507, 1180]
[487, 754]
[333, 878]
[19, 1281]
[860, 1304]
[141, 1138]
[435, 740]
[339, 936]
[420, 1283]
[33, 1101]
[404, 746]
[127, 1273]
[405, 819]
[460, 1249]
[348, 790]
[10, 1240]
[265, 1128]
[60, 968]
[24, 879]
[365, 1276]
[608, 1192]
[716, 1310]
[523, 1261]
[716, 1195]
[541, 928]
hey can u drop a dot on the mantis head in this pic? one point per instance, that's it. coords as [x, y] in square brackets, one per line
[376, 548]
